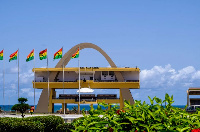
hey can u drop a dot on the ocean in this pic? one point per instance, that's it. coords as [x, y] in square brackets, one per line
[70, 107]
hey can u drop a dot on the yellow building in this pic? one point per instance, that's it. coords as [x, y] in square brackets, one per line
[90, 77]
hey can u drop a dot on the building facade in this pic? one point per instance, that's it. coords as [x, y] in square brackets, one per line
[50, 79]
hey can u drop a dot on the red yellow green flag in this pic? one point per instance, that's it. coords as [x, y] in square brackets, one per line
[13, 56]
[58, 54]
[75, 55]
[1, 55]
[30, 56]
[43, 54]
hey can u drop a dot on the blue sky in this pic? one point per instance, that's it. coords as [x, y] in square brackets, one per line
[160, 37]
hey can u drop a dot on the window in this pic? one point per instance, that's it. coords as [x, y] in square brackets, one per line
[104, 73]
[111, 73]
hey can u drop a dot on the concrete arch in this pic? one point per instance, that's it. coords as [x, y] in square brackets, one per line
[67, 56]
[125, 93]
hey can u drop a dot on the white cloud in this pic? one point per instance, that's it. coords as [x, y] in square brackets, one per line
[157, 76]
[30, 92]
[187, 84]
[12, 70]
[196, 75]
[26, 77]
[13, 86]
[167, 76]
[156, 71]
[184, 73]
[10, 92]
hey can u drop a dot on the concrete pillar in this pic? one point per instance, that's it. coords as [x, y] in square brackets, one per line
[63, 108]
[52, 107]
[109, 106]
[78, 108]
[121, 99]
[66, 107]
[91, 106]
[125, 94]
[50, 100]
[188, 103]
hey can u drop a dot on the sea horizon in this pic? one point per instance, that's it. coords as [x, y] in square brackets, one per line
[70, 107]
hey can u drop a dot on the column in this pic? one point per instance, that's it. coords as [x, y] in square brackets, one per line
[63, 108]
[188, 99]
[121, 100]
[109, 107]
[52, 107]
[78, 108]
[91, 106]
[50, 100]
[53, 97]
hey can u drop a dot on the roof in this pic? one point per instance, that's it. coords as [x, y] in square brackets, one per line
[194, 91]
[87, 69]
[194, 88]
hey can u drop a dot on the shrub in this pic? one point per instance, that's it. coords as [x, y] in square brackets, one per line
[66, 127]
[139, 117]
[18, 124]
[30, 124]
[50, 122]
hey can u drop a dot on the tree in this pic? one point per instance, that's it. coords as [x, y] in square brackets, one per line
[22, 106]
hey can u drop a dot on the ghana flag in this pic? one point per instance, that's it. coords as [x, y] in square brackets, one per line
[75, 55]
[13, 56]
[43, 54]
[58, 54]
[30, 56]
[1, 55]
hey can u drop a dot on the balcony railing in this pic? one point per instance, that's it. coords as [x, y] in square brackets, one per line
[92, 81]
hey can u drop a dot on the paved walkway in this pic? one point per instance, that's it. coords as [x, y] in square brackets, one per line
[68, 118]
[71, 116]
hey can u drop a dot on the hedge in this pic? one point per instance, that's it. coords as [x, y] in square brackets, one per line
[66, 127]
[17, 125]
[50, 122]
[30, 124]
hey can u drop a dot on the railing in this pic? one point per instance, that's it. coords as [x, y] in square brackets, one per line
[83, 99]
[87, 100]
[132, 80]
[94, 81]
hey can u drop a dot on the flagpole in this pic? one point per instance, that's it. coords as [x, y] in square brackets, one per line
[34, 76]
[79, 79]
[3, 84]
[63, 82]
[48, 81]
[18, 73]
